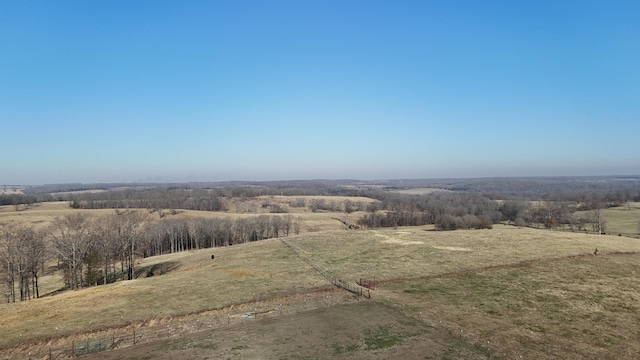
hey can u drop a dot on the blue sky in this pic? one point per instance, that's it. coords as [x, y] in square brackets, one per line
[119, 91]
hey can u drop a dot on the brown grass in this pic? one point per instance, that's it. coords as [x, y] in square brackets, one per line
[527, 292]
[576, 307]
[420, 191]
[40, 215]
[413, 252]
[238, 273]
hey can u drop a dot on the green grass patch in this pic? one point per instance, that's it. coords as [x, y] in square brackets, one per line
[380, 337]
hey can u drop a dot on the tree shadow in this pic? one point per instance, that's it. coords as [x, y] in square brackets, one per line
[156, 269]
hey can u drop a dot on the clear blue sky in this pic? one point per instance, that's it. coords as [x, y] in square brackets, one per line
[119, 91]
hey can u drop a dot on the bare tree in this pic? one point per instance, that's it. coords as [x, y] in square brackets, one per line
[297, 224]
[127, 227]
[37, 256]
[373, 208]
[599, 222]
[287, 222]
[598, 218]
[71, 240]
[8, 256]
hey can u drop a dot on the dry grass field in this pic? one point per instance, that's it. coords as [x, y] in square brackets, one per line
[420, 191]
[192, 282]
[500, 293]
[40, 215]
[10, 190]
[503, 292]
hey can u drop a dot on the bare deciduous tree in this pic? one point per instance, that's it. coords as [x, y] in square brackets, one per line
[71, 240]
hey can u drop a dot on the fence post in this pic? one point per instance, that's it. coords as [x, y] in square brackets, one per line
[50, 357]
[134, 336]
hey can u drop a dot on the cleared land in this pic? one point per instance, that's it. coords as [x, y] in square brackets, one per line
[41, 214]
[619, 220]
[420, 191]
[505, 292]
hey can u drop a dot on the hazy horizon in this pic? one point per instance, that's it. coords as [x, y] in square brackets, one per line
[257, 91]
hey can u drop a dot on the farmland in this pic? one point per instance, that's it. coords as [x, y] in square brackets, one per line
[484, 290]
[475, 293]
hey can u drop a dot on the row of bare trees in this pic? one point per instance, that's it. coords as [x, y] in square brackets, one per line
[179, 235]
[22, 251]
[89, 248]
[201, 199]
[97, 250]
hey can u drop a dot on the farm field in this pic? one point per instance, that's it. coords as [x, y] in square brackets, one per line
[467, 294]
[619, 220]
[420, 191]
[40, 215]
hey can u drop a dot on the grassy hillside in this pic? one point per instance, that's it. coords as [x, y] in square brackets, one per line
[192, 282]
[533, 286]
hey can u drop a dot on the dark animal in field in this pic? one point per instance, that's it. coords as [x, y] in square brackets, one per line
[212, 257]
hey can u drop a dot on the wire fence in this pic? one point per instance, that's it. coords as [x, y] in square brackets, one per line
[355, 289]
[292, 301]
[85, 347]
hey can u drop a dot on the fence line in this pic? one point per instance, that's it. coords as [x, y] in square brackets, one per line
[79, 348]
[355, 289]
[85, 347]
[306, 260]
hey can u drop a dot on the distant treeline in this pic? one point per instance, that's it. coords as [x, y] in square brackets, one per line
[447, 211]
[22, 199]
[532, 188]
[459, 210]
[205, 200]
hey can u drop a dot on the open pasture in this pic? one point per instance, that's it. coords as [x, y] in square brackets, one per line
[570, 308]
[420, 191]
[389, 254]
[190, 282]
[619, 220]
[498, 291]
[41, 214]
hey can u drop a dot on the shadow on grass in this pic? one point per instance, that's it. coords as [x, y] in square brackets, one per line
[156, 269]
